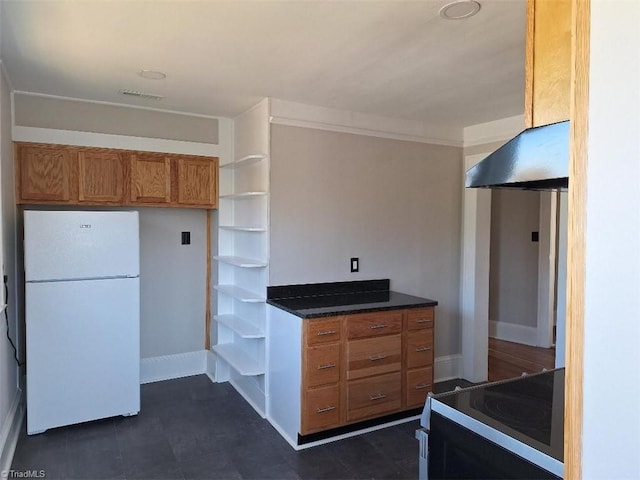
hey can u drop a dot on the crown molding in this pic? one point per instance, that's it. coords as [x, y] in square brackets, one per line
[115, 104]
[295, 114]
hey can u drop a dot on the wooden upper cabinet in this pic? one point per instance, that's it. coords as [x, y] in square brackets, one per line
[197, 181]
[43, 173]
[150, 178]
[100, 176]
[59, 174]
[548, 62]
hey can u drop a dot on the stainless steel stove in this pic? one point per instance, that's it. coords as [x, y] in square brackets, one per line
[509, 429]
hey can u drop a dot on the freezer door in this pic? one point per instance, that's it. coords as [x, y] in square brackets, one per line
[80, 244]
[83, 351]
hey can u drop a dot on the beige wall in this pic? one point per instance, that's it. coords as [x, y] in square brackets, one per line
[513, 278]
[172, 281]
[483, 148]
[396, 205]
[64, 114]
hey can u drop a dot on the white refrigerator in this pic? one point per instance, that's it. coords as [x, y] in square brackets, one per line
[82, 297]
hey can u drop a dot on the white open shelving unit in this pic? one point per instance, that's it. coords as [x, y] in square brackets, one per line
[243, 259]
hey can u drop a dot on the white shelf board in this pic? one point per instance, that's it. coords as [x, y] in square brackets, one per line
[238, 228]
[243, 195]
[239, 325]
[240, 261]
[240, 293]
[244, 161]
[239, 360]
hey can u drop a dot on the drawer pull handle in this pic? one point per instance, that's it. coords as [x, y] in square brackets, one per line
[375, 358]
[379, 396]
[328, 365]
[379, 325]
[326, 332]
[423, 320]
[422, 349]
[422, 386]
[325, 409]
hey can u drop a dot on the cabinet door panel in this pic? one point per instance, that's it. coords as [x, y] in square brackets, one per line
[322, 364]
[44, 173]
[420, 318]
[420, 348]
[197, 181]
[100, 176]
[373, 356]
[419, 383]
[150, 178]
[373, 396]
[322, 330]
[321, 409]
[374, 323]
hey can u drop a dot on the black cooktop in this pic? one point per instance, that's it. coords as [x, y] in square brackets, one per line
[529, 409]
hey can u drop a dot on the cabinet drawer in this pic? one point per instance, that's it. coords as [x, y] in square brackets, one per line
[373, 396]
[322, 364]
[420, 348]
[373, 356]
[418, 318]
[419, 383]
[323, 330]
[374, 323]
[321, 409]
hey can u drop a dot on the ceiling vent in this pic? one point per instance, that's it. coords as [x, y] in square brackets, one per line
[133, 93]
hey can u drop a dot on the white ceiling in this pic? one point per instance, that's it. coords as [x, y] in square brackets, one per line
[392, 58]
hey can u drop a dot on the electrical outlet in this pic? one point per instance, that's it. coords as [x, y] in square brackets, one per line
[355, 264]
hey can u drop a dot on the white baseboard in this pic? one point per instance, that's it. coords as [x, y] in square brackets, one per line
[11, 431]
[166, 367]
[512, 332]
[447, 367]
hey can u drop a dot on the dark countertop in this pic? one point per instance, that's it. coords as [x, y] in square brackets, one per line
[339, 298]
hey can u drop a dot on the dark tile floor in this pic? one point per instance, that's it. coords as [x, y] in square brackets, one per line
[191, 428]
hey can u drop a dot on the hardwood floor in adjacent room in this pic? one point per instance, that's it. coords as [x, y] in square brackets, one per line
[509, 360]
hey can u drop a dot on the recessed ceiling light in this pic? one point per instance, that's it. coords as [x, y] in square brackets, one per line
[152, 74]
[460, 9]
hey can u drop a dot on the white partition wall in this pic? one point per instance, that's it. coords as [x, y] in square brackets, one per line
[243, 246]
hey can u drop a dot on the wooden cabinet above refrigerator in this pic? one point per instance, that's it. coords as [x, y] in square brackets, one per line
[69, 175]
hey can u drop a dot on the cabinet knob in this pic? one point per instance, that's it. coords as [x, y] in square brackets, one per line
[422, 386]
[379, 396]
[422, 349]
[422, 320]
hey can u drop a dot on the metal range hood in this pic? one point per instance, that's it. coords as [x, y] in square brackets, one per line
[537, 159]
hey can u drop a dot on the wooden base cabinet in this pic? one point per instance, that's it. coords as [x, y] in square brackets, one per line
[362, 366]
[67, 175]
